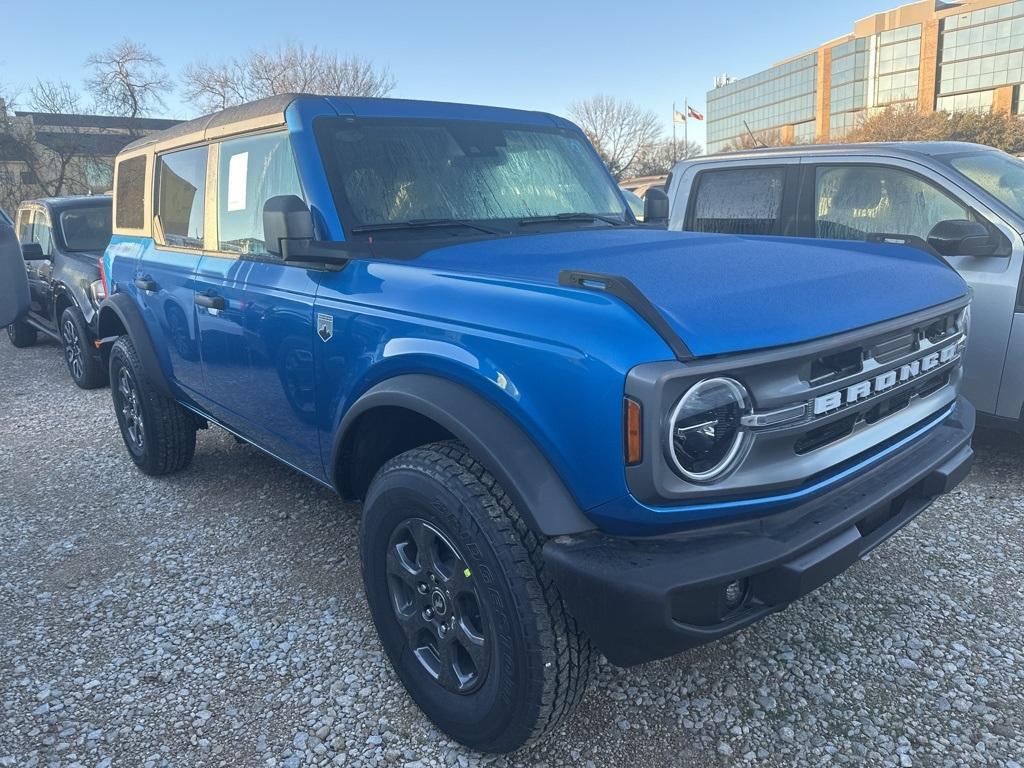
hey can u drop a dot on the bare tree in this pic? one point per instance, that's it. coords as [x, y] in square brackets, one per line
[51, 162]
[619, 130]
[127, 80]
[659, 157]
[770, 137]
[291, 68]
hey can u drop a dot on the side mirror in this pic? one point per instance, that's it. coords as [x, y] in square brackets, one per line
[655, 206]
[960, 237]
[32, 252]
[285, 218]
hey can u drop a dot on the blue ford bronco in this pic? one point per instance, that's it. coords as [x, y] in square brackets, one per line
[571, 434]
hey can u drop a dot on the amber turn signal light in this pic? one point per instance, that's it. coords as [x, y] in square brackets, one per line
[632, 431]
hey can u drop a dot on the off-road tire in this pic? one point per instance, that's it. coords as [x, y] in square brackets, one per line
[540, 662]
[82, 358]
[22, 334]
[168, 431]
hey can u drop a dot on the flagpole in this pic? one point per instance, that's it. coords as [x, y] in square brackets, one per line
[686, 126]
[675, 156]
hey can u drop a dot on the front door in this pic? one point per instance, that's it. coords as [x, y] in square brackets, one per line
[34, 227]
[255, 313]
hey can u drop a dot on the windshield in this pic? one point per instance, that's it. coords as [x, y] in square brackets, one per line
[86, 229]
[391, 171]
[999, 174]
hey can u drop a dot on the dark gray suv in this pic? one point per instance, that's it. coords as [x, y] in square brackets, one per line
[62, 240]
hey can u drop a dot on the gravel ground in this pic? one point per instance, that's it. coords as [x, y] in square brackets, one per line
[217, 618]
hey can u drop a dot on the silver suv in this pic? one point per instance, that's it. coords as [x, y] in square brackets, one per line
[965, 202]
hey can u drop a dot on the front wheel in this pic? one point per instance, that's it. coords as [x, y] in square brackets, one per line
[159, 433]
[467, 615]
[82, 358]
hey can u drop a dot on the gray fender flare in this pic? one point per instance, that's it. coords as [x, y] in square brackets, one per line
[494, 439]
[121, 311]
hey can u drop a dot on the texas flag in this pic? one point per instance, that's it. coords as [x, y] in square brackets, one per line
[694, 114]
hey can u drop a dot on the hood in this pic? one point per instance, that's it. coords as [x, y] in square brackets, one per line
[726, 293]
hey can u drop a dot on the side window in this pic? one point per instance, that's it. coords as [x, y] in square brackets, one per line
[852, 202]
[42, 233]
[131, 193]
[739, 201]
[25, 226]
[181, 196]
[252, 170]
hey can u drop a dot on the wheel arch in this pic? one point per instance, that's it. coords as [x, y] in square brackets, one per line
[119, 315]
[414, 409]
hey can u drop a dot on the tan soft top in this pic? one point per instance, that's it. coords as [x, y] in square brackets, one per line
[265, 113]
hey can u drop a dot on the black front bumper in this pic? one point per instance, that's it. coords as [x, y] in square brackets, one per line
[645, 599]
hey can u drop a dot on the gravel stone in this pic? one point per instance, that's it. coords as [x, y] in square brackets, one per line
[217, 618]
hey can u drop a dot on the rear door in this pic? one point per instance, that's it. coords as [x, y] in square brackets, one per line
[165, 276]
[856, 198]
[255, 312]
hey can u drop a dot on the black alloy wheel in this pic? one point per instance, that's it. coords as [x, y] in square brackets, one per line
[435, 600]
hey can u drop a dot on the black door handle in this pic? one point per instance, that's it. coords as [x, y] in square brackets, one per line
[210, 302]
[145, 283]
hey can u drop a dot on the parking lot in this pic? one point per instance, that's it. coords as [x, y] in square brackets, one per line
[217, 618]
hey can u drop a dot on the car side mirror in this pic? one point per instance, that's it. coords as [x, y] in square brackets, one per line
[286, 218]
[32, 252]
[961, 237]
[655, 206]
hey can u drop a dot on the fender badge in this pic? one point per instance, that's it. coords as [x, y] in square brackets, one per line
[324, 326]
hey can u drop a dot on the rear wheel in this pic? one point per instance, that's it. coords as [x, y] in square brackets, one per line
[472, 624]
[22, 334]
[82, 358]
[159, 433]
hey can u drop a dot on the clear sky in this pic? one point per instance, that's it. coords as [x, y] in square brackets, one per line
[530, 54]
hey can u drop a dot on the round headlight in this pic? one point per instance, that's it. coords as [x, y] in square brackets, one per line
[706, 433]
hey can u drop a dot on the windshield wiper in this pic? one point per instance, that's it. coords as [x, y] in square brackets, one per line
[572, 216]
[424, 224]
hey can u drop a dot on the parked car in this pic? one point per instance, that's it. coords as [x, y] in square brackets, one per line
[14, 299]
[62, 239]
[635, 203]
[570, 433]
[639, 185]
[964, 202]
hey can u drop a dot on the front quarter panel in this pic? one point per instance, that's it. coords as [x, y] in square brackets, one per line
[551, 358]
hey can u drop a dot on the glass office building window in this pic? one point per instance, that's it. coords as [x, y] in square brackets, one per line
[782, 95]
[849, 85]
[869, 72]
[981, 50]
[977, 101]
[898, 63]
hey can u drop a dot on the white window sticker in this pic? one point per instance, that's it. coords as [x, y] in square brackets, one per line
[238, 170]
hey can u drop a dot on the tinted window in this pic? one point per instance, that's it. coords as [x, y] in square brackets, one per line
[739, 201]
[181, 196]
[386, 171]
[131, 188]
[86, 229]
[853, 202]
[252, 171]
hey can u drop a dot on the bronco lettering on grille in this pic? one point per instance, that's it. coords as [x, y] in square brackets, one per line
[883, 381]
